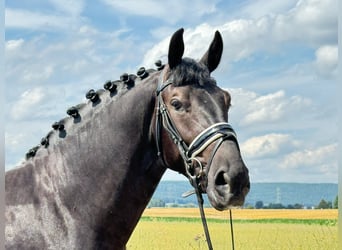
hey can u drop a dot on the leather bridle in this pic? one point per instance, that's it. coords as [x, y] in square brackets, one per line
[218, 133]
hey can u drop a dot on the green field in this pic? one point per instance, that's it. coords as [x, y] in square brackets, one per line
[168, 232]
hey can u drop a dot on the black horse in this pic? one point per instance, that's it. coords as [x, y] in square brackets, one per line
[87, 183]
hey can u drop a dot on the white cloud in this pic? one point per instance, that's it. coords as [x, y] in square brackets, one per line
[63, 15]
[309, 22]
[312, 165]
[27, 100]
[13, 45]
[70, 7]
[24, 19]
[168, 11]
[321, 159]
[45, 73]
[249, 108]
[269, 145]
[269, 108]
[327, 60]
[14, 140]
[36, 104]
[237, 36]
[260, 8]
[41, 60]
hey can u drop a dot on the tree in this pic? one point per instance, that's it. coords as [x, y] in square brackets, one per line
[336, 202]
[275, 206]
[156, 203]
[297, 206]
[324, 204]
[259, 204]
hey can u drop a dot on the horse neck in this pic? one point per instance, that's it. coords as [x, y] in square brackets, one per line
[105, 170]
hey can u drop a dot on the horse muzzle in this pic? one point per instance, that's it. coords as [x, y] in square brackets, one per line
[228, 180]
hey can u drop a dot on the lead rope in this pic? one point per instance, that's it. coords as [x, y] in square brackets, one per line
[204, 221]
[231, 228]
[193, 182]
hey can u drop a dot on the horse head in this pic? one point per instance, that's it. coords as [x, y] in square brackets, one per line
[192, 130]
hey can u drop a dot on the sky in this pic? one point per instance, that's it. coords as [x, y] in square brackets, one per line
[279, 64]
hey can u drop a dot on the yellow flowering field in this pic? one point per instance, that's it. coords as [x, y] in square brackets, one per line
[181, 228]
[245, 213]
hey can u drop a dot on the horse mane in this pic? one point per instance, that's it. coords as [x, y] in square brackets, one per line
[189, 72]
[116, 89]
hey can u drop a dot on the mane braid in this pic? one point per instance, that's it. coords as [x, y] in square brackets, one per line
[122, 86]
[190, 72]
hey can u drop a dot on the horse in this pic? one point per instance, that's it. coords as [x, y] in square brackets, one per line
[87, 183]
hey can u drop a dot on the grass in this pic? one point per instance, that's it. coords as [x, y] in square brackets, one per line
[326, 222]
[180, 228]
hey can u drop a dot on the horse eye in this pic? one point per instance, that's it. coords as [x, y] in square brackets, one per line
[176, 104]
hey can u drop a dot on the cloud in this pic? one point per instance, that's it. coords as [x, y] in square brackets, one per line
[260, 8]
[268, 145]
[13, 45]
[321, 158]
[28, 100]
[24, 19]
[197, 40]
[86, 57]
[69, 7]
[327, 60]
[58, 15]
[250, 108]
[169, 11]
[317, 164]
[310, 22]
[13, 140]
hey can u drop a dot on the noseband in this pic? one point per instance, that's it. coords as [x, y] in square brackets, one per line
[218, 132]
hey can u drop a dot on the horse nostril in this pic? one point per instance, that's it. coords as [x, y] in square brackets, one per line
[222, 179]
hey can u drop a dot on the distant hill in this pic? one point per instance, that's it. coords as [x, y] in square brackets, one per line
[307, 194]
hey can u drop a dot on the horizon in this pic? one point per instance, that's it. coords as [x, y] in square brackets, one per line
[279, 64]
[304, 183]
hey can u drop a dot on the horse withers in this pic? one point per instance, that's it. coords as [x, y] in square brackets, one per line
[87, 185]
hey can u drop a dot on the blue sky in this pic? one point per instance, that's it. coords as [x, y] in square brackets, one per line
[279, 64]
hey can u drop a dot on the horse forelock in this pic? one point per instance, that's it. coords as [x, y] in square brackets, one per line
[190, 72]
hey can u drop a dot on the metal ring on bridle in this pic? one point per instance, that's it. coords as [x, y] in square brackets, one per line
[188, 167]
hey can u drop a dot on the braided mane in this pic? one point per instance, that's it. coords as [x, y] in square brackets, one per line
[115, 89]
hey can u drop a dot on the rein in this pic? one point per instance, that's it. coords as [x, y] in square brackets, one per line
[218, 132]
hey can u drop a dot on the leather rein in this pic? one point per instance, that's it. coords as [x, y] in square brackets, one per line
[218, 133]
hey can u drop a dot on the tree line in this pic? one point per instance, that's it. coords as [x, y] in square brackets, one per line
[323, 204]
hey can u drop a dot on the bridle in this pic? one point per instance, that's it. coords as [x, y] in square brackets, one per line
[218, 133]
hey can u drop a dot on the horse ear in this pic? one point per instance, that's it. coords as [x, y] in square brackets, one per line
[176, 48]
[213, 56]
